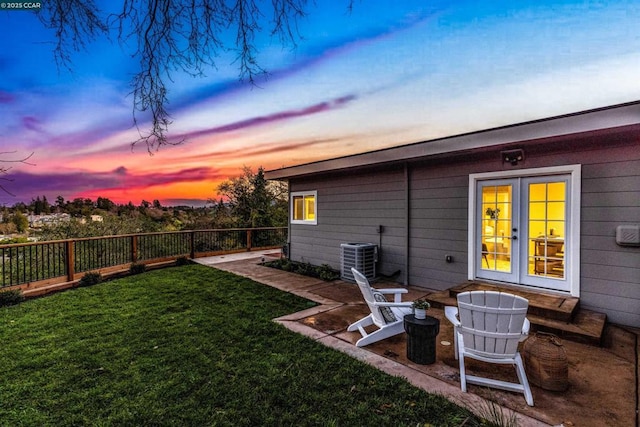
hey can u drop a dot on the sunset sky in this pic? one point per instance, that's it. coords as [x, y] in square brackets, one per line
[388, 73]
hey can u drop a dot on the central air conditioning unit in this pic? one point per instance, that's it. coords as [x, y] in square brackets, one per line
[361, 256]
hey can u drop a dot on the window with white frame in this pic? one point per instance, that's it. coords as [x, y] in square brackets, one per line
[303, 207]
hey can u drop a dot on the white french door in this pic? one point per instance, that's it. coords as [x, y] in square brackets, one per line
[497, 222]
[523, 230]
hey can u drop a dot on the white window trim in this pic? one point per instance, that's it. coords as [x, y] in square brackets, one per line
[573, 258]
[304, 221]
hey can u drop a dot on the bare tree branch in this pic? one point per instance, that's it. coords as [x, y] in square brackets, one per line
[285, 19]
[5, 169]
[75, 23]
[184, 36]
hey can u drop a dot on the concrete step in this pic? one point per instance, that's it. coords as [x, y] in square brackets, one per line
[546, 305]
[583, 326]
[587, 327]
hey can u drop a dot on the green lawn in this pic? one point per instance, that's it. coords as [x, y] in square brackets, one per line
[189, 346]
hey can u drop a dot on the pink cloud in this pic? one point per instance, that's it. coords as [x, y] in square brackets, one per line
[187, 175]
[27, 186]
[31, 123]
[275, 148]
[276, 117]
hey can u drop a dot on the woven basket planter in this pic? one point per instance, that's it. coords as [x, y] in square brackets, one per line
[546, 362]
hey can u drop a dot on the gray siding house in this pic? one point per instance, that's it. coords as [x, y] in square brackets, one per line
[550, 205]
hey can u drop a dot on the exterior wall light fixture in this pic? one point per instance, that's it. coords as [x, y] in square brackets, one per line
[512, 156]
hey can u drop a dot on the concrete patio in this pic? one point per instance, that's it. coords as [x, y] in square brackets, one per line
[603, 381]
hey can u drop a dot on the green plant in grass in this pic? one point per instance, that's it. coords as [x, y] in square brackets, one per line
[495, 415]
[11, 297]
[183, 260]
[190, 346]
[91, 278]
[137, 268]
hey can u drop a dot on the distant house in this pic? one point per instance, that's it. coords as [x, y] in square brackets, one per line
[551, 205]
[93, 218]
[39, 221]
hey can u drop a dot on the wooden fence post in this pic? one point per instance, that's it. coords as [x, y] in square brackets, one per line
[248, 239]
[134, 248]
[70, 260]
[192, 240]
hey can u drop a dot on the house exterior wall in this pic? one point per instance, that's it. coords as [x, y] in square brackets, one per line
[352, 204]
[439, 197]
[610, 275]
[350, 208]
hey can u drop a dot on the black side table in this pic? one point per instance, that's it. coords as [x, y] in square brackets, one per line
[421, 338]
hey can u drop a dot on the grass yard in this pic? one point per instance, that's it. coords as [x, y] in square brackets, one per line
[189, 346]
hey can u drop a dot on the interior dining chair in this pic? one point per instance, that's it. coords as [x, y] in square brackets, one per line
[488, 326]
[485, 251]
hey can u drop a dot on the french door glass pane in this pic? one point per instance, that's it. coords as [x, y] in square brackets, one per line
[547, 223]
[497, 211]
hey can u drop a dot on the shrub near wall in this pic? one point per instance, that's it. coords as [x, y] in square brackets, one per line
[324, 271]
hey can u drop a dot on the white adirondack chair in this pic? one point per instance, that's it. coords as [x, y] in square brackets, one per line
[488, 326]
[387, 316]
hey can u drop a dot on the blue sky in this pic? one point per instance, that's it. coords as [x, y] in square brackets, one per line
[380, 76]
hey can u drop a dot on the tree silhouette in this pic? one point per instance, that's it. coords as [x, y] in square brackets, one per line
[253, 201]
[173, 36]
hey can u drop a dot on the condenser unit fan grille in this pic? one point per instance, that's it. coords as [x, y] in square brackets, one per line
[361, 256]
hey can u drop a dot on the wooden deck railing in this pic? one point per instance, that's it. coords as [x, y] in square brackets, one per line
[44, 263]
